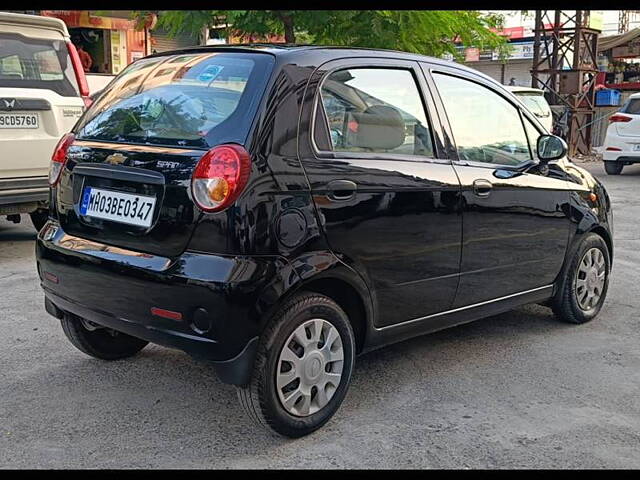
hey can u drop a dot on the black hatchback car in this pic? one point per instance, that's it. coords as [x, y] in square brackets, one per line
[277, 210]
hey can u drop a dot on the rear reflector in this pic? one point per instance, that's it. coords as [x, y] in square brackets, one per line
[51, 277]
[614, 149]
[160, 312]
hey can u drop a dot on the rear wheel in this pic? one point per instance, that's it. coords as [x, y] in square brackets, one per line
[100, 342]
[613, 168]
[303, 367]
[585, 281]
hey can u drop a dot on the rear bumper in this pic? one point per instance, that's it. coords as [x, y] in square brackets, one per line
[216, 297]
[14, 191]
[624, 148]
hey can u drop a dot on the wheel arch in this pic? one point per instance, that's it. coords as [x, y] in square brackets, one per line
[606, 236]
[323, 273]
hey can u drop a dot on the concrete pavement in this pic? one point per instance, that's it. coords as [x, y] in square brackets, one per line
[516, 390]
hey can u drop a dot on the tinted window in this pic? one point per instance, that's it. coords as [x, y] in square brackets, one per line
[36, 63]
[187, 100]
[375, 110]
[486, 127]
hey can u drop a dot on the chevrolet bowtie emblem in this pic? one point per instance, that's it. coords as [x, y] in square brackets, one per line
[115, 159]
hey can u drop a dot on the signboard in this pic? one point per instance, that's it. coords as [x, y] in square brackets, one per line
[521, 50]
[82, 18]
[117, 48]
[472, 54]
[596, 19]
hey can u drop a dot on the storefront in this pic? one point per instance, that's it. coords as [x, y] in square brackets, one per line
[619, 61]
[112, 43]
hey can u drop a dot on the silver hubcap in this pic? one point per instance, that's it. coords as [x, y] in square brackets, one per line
[309, 367]
[590, 279]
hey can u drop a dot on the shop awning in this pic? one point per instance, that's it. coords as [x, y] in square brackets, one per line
[612, 41]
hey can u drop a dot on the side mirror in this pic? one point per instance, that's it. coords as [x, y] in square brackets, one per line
[550, 147]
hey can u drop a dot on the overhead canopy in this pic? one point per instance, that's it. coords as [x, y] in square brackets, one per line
[612, 41]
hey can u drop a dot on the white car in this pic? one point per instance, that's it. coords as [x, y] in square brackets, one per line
[43, 92]
[622, 142]
[533, 99]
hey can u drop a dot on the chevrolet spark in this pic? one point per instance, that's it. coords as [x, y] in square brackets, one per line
[278, 210]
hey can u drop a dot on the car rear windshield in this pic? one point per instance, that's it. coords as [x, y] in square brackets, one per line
[535, 102]
[36, 63]
[632, 107]
[193, 100]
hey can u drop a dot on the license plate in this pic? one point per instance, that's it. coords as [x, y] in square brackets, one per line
[117, 206]
[18, 120]
[636, 147]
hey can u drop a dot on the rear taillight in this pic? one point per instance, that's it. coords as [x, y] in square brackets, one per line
[80, 76]
[619, 118]
[220, 177]
[59, 158]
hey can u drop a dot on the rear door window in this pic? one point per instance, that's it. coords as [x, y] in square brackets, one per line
[36, 63]
[194, 100]
[376, 110]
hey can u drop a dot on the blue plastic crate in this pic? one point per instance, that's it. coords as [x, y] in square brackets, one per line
[607, 98]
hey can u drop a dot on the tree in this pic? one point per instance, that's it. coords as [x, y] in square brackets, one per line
[428, 32]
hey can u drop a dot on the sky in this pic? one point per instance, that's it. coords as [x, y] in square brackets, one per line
[514, 18]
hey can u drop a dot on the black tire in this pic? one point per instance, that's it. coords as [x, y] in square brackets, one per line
[39, 218]
[565, 303]
[260, 397]
[613, 168]
[102, 343]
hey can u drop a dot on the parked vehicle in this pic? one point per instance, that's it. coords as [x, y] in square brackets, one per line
[42, 86]
[97, 81]
[622, 141]
[279, 210]
[533, 99]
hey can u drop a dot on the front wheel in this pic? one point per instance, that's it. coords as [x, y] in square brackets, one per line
[584, 282]
[100, 342]
[613, 168]
[303, 367]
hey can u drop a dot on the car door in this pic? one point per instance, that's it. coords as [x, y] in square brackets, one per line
[515, 211]
[384, 191]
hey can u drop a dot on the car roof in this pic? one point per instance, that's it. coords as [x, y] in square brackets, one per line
[293, 50]
[34, 21]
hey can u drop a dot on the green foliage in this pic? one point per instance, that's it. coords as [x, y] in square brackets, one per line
[428, 32]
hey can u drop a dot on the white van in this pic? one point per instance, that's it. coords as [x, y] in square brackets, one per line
[533, 99]
[43, 92]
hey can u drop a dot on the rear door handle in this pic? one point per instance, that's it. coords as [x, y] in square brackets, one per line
[482, 187]
[340, 190]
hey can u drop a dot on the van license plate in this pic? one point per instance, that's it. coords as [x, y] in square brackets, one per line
[117, 206]
[18, 120]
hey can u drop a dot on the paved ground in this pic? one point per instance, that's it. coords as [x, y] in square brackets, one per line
[515, 390]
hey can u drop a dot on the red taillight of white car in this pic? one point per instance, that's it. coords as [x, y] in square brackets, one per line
[619, 118]
[220, 177]
[59, 158]
[81, 78]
